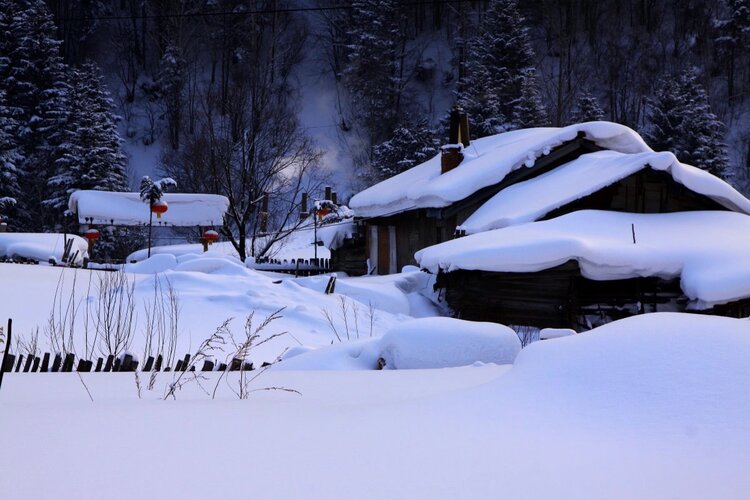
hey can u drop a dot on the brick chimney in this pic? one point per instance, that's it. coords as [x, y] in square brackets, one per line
[452, 153]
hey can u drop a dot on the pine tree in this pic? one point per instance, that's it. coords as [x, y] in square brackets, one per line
[528, 109]
[90, 155]
[587, 109]
[172, 82]
[34, 82]
[499, 90]
[9, 188]
[733, 37]
[410, 145]
[681, 121]
[372, 75]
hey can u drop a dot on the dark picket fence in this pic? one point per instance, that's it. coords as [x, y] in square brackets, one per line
[69, 362]
[297, 267]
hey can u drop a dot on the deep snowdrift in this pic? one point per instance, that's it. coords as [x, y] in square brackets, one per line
[653, 406]
[420, 343]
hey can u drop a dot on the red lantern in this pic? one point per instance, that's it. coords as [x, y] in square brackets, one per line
[159, 208]
[211, 236]
[92, 235]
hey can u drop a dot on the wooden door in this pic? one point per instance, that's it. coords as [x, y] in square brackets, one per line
[384, 251]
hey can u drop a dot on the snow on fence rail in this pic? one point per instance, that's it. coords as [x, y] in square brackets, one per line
[298, 267]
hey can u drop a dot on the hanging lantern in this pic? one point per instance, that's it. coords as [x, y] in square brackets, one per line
[211, 236]
[92, 235]
[159, 208]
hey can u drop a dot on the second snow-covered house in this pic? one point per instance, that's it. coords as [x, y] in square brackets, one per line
[523, 176]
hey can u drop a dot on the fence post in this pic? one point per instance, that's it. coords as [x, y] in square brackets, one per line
[6, 352]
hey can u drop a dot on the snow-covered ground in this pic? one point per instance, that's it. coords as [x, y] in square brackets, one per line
[210, 288]
[653, 406]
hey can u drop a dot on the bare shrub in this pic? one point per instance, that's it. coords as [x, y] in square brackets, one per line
[115, 313]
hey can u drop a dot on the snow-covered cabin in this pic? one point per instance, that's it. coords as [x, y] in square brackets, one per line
[591, 266]
[522, 176]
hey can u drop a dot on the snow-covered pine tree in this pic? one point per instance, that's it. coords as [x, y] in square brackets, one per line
[9, 188]
[499, 65]
[372, 74]
[34, 82]
[733, 37]
[411, 144]
[152, 191]
[681, 121]
[171, 82]
[90, 155]
[528, 108]
[587, 108]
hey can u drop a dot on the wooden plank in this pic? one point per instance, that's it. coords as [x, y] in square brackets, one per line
[149, 364]
[57, 363]
[109, 365]
[45, 362]
[35, 366]
[68, 362]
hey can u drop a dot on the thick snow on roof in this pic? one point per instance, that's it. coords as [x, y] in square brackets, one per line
[127, 209]
[486, 162]
[41, 246]
[708, 250]
[532, 199]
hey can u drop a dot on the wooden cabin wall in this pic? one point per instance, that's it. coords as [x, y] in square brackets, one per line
[415, 230]
[646, 191]
[554, 298]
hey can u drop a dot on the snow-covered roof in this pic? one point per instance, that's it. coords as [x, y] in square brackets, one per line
[486, 162]
[42, 246]
[127, 209]
[532, 199]
[707, 249]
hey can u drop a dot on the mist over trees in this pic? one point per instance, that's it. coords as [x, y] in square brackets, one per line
[219, 88]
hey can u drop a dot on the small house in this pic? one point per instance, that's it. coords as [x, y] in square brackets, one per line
[461, 190]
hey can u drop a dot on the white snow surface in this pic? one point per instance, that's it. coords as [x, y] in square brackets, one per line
[210, 288]
[185, 209]
[415, 344]
[486, 162]
[532, 199]
[41, 246]
[650, 407]
[706, 249]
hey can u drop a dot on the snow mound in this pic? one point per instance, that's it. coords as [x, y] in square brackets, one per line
[41, 246]
[669, 370]
[154, 264]
[448, 342]
[555, 333]
[420, 343]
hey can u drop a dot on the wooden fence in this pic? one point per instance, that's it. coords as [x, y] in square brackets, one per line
[298, 267]
[69, 362]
